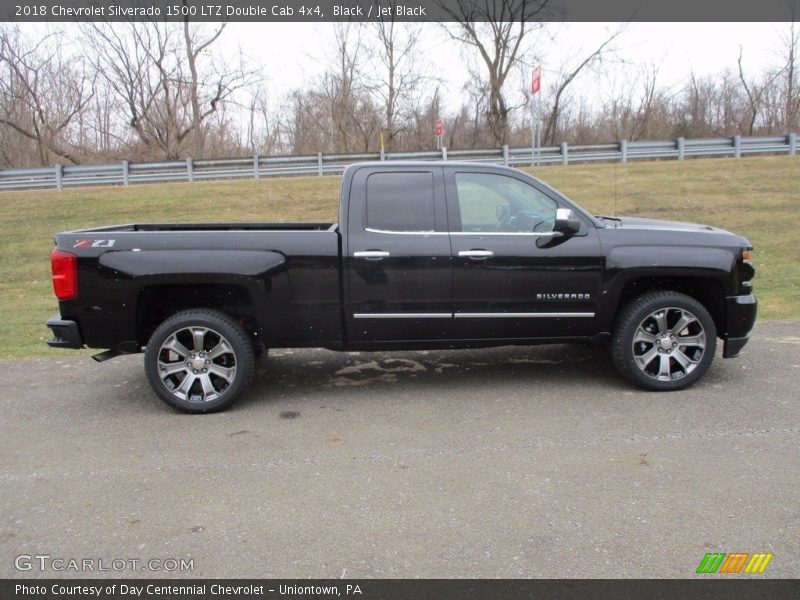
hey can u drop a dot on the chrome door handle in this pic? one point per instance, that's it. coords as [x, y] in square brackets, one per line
[476, 254]
[371, 254]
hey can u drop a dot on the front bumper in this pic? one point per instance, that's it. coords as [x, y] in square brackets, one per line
[65, 334]
[740, 318]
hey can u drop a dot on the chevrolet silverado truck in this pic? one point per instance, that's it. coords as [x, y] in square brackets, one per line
[425, 255]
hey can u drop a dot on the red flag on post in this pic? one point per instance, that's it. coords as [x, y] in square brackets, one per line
[536, 80]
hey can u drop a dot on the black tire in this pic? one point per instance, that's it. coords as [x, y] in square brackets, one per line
[677, 356]
[216, 373]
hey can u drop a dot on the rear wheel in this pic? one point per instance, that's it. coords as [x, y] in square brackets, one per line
[199, 360]
[664, 341]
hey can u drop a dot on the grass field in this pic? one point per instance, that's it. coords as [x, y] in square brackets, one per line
[755, 197]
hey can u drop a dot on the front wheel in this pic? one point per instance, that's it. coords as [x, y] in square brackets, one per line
[664, 341]
[199, 360]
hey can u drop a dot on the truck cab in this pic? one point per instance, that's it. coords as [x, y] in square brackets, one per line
[464, 254]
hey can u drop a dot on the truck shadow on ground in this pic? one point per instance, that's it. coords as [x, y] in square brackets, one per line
[300, 376]
[288, 374]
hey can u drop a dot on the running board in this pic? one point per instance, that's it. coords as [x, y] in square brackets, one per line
[107, 355]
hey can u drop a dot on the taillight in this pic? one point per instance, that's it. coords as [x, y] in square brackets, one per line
[746, 272]
[65, 274]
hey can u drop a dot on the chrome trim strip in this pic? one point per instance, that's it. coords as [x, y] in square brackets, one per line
[530, 315]
[402, 315]
[533, 233]
[479, 315]
[406, 232]
[371, 254]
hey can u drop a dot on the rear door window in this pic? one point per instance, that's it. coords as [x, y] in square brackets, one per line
[400, 202]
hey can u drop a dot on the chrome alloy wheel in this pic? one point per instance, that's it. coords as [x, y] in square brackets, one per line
[669, 343]
[196, 364]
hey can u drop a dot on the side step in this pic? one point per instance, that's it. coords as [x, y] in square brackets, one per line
[107, 355]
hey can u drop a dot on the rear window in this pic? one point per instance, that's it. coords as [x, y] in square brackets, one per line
[400, 202]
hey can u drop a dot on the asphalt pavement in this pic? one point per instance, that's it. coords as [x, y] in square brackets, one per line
[507, 462]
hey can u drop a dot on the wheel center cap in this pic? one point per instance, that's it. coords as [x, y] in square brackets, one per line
[666, 343]
[198, 363]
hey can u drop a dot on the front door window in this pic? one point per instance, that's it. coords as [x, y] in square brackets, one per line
[496, 203]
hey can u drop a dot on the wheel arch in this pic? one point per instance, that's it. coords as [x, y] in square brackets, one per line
[240, 283]
[708, 291]
[158, 302]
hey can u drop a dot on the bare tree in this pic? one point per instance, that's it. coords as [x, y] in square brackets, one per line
[496, 30]
[423, 118]
[791, 41]
[479, 130]
[166, 79]
[336, 112]
[42, 94]
[264, 128]
[565, 78]
[637, 108]
[397, 85]
[342, 86]
[754, 96]
[220, 88]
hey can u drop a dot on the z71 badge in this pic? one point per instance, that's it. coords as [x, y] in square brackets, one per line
[94, 243]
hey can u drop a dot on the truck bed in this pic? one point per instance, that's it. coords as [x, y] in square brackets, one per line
[141, 268]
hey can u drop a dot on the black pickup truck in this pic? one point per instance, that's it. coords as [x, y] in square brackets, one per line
[425, 255]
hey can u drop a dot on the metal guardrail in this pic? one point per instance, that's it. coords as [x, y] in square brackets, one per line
[127, 173]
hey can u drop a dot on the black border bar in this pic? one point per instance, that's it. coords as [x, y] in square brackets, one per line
[318, 11]
[409, 589]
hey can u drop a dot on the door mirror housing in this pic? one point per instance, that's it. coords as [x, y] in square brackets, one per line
[566, 223]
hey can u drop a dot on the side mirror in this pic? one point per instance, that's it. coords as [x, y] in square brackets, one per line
[566, 222]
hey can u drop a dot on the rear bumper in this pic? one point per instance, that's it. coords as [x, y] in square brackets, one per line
[740, 315]
[65, 334]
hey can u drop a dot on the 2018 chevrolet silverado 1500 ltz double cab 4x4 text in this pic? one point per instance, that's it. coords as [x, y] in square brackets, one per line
[425, 255]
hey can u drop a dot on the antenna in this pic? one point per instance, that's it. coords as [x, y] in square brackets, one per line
[615, 188]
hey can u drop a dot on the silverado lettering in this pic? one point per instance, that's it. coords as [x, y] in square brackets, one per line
[424, 255]
[563, 296]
